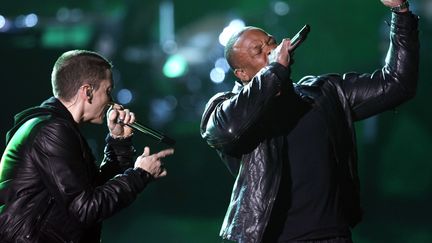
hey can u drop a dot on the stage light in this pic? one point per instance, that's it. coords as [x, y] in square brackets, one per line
[2, 21]
[5, 24]
[30, 20]
[61, 36]
[217, 75]
[281, 8]
[234, 26]
[124, 96]
[166, 27]
[175, 66]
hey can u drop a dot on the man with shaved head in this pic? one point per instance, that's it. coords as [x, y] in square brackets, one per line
[291, 146]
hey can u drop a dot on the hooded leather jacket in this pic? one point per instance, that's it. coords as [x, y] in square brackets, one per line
[50, 187]
[234, 123]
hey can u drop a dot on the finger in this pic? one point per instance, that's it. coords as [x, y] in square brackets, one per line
[112, 115]
[165, 153]
[146, 151]
[121, 116]
[110, 108]
[287, 45]
[116, 113]
[126, 117]
[132, 117]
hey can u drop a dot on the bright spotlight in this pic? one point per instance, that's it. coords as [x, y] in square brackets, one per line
[30, 20]
[233, 27]
[175, 66]
[217, 75]
[2, 21]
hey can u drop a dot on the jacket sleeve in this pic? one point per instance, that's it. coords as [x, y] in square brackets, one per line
[118, 157]
[61, 162]
[228, 117]
[396, 82]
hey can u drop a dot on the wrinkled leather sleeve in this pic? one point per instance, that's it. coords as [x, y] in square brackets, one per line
[64, 169]
[228, 116]
[396, 82]
[118, 156]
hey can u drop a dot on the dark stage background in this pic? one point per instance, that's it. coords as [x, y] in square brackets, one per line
[143, 37]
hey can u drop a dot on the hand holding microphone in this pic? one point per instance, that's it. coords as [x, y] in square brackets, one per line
[122, 123]
[117, 118]
[286, 48]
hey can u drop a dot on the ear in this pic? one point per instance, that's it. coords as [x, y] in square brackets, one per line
[87, 91]
[242, 75]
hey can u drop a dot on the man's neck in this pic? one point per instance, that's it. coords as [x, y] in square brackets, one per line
[75, 108]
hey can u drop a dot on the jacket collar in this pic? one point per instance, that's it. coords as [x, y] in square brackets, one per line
[51, 106]
[238, 86]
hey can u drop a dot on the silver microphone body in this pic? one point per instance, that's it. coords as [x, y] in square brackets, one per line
[152, 133]
[300, 37]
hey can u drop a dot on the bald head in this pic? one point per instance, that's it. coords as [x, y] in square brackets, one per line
[229, 52]
[247, 52]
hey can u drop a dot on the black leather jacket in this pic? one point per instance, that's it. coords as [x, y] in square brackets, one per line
[50, 187]
[233, 124]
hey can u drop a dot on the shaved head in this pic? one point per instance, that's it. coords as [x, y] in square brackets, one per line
[229, 47]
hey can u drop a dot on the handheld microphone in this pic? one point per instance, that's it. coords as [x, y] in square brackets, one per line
[136, 126]
[300, 37]
[151, 133]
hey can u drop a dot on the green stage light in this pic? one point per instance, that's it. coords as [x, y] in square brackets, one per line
[59, 36]
[175, 66]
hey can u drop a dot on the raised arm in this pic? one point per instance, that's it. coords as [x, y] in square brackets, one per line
[396, 82]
